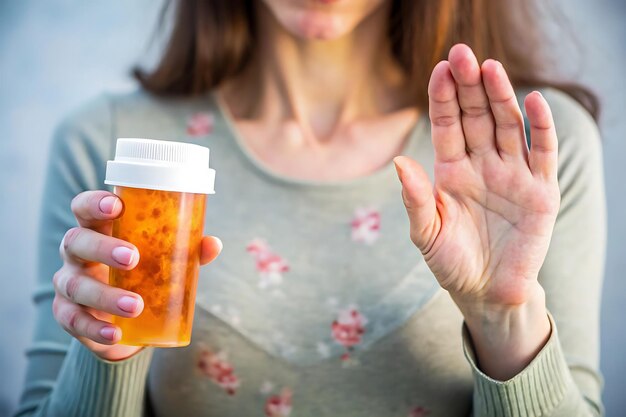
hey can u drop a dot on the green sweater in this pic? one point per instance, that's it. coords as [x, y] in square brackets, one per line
[319, 304]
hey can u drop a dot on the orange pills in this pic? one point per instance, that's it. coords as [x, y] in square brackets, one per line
[166, 225]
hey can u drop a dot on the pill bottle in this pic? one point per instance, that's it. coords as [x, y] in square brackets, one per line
[163, 187]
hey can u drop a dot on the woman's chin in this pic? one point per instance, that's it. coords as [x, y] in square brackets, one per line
[320, 19]
[319, 26]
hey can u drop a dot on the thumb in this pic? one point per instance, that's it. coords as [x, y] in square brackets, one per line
[417, 194]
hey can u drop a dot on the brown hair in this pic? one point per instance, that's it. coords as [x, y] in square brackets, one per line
[212, 40]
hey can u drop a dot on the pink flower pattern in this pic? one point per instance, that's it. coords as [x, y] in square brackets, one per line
[279, 405]
[200, 124]
[365, 226]
[219, 370]
[348, 329]
[419, 412]
[269, 265]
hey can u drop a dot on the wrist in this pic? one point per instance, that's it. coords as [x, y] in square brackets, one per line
[506, 338]
[114, 353]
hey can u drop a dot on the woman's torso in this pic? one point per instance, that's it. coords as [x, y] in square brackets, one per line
[319, 303]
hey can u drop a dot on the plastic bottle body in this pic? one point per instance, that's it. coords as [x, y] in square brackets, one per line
[167, 228]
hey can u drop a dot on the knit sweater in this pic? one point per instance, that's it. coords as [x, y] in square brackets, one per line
[319, 304]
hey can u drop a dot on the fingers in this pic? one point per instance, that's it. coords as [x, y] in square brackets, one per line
[96, 209]
[510, 137]
[79, 323]
[419, 201]
[471, 105]
[444, 111]
[82, 246]
[211, 247]
[86, 291]
[543, 158]
[477, 120]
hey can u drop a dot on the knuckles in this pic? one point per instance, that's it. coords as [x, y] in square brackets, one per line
[72, 283]
[57, 278]
[70, 237]
[81, 202]
[68, 318]
[475, 111]
[77, 203]
[444, 121]
[69, 315]
[72, 319]
[55, 307]
[104, 299]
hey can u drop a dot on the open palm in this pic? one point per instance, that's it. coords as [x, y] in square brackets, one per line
[485, 226]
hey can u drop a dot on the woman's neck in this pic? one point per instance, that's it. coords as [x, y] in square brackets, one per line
[322, 86]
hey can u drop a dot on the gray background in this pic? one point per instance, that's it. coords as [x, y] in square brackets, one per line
[55, 54]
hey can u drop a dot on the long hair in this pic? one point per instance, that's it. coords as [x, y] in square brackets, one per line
[212, 40]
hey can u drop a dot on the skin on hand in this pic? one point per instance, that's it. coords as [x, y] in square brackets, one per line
[84, 302]
[485, 225]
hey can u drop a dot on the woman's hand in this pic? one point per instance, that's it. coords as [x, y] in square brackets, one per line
[485, 227]
[84, 302]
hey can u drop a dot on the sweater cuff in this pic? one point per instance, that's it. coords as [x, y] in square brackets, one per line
[535, 391]
[91, 386]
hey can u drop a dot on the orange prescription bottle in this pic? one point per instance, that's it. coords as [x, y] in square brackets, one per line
[163, 186]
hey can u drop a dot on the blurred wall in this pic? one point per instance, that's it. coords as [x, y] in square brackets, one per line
[55, 54]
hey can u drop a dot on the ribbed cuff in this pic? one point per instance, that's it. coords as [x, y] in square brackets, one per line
[535, 391]
[90, 386]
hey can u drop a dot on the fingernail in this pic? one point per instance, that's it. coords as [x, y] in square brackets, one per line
[128, 304]
[107, 204]
[108, 332]
[123, 255]
[219, 243]
[398, 170]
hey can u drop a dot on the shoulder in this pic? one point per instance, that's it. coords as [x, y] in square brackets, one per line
[108, 110]
[570, 117]
[84, 131]
[91, 116]
[99, 120]
[85, 138]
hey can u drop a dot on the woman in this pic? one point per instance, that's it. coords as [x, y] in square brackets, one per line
[320, 305]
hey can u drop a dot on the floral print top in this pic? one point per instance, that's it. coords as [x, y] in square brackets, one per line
[302, 283]
[319, 304]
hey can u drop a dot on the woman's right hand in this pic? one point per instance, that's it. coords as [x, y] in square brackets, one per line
[84, 302]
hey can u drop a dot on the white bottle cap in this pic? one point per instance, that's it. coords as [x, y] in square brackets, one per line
[161, 165]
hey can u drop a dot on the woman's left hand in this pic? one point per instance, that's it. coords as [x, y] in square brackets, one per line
[485, 226]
